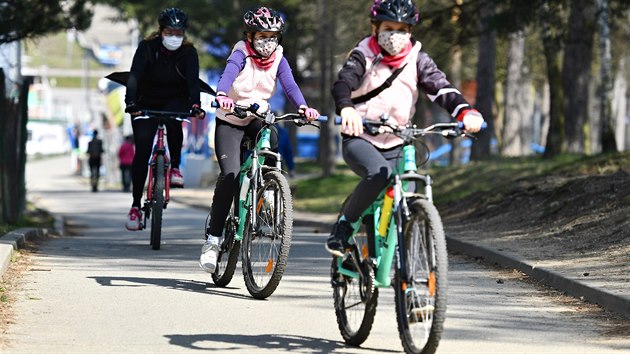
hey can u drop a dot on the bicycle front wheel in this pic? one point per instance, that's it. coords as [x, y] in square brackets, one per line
[157, 205]
[421, 298]
[266, 245]
[355, 297]
[228, 255]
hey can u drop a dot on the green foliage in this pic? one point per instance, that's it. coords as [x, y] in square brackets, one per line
[33, 18]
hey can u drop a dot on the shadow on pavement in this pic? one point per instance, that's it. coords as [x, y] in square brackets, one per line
[176, 284]
[263, 341]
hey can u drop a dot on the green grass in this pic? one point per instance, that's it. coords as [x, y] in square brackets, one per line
[55, 51]
[33, 217]
[325, 195]
[70, 82]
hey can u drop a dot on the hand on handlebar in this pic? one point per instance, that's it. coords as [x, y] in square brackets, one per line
[351, 121]
[197, 112]
[473, 122]
[133, 109]
[310, 113]
[225, 103]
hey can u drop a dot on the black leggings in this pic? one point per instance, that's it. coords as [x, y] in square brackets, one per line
[374, 166]
[227, 143]
[143, 133]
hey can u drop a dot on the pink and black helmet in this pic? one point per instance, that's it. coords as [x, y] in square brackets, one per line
[263, 19]
[395, 10]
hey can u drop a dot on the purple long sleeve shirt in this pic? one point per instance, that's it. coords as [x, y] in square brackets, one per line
[236, 63]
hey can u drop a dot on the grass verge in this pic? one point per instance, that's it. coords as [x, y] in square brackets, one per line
[32, 217]
[326, 194]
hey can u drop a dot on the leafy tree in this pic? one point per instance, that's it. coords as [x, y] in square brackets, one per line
[32, 18]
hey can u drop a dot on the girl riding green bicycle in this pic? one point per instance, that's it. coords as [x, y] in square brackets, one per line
[250, 76]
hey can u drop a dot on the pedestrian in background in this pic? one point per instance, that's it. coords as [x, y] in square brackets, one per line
[75, 151]
[125, 158]
[95, 150]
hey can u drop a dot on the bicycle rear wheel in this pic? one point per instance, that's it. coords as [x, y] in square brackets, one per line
[266, 249]
[228, 255]
[157, 205]
[355, 299]
[421, 299]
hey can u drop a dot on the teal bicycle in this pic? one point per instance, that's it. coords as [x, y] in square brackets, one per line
[404, 229]
[260, 223]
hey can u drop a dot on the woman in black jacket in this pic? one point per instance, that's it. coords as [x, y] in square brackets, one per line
[164, 76]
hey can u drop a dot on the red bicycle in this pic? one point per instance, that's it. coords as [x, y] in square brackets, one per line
[158, 190]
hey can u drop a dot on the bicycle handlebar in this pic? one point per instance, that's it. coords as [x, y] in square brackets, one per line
[241, 112]
[179, 116]
[448, 130]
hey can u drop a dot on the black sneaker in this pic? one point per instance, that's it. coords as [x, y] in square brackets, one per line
[338, 240]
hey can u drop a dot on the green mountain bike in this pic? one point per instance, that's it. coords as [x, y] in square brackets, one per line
[404, 229]
[260, 222]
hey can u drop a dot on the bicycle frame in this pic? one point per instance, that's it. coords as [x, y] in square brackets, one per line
[159, 149]
[250, 178]
[385, 246]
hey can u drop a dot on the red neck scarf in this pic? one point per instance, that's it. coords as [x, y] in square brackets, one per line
[394, 61]
[263, 63]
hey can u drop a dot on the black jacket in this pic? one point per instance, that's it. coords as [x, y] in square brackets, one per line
[158, 74]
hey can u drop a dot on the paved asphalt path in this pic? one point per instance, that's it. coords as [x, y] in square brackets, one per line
[104, 289]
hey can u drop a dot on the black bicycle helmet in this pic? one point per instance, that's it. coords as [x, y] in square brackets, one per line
[263, 19]
[395, 10]
[173, 17]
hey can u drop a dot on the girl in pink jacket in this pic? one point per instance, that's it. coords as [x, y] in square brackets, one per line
[250, 76]
[390, 47]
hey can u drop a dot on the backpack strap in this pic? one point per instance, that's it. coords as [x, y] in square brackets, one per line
[368, 96]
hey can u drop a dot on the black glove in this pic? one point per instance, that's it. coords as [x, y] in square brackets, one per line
[132, 108]
[198, 112]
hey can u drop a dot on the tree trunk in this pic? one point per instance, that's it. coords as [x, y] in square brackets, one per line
[620, 105]
[3, 152]
[605, 110]
[20, 202]
[578, 57]
[552, 47]
[13, 113]
[485, 82]
[512, 143]
[455, 156]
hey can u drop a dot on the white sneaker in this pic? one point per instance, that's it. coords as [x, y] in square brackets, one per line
[133, 219]
[209, 254]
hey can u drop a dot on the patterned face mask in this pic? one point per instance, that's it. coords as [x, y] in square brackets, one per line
[265, 46]
[393, 41]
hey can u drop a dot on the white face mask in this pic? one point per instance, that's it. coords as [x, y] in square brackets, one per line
[172, 42]
[393, 41]
[266, 46]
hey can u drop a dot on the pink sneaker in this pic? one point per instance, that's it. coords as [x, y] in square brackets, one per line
[177, 180]
[133, 219]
